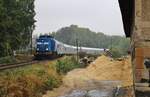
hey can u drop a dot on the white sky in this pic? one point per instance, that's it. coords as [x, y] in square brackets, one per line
[98, 15]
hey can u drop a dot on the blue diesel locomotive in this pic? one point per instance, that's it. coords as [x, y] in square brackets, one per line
[48, 46]
[45, 46]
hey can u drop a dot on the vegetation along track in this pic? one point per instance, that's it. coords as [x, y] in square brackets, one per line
[8, 66]
[14, 65]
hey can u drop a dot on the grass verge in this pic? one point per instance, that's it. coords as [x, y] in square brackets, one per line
[15, 59]
[35, 80]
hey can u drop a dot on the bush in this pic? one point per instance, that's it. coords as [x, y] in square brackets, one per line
[115, 53]
[66, 65]
[51, 83]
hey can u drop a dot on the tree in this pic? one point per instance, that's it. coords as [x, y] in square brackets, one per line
[89, 38]
[16, 24]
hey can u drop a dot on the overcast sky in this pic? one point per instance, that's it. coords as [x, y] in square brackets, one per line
[98, 15]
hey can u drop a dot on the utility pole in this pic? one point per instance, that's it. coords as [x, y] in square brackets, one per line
[31, 41]
[111, 43]
[77, 44]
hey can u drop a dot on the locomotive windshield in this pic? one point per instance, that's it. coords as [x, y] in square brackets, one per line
[42, 42]
[45, 36]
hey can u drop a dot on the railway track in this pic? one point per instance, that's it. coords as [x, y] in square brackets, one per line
[8, 66]
[20, 64]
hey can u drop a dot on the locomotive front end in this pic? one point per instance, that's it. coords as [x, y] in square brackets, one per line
[45, 46]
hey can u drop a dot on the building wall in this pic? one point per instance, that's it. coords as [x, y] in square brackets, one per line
[140, 38]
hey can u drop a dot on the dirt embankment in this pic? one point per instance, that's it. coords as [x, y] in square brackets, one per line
[102, 69]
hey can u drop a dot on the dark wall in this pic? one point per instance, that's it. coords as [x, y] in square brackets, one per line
[127, 9]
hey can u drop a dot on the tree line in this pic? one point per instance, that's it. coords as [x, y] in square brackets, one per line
[16, 24]
[119, 45]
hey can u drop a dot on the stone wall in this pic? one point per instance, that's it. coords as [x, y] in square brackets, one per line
[140, 42]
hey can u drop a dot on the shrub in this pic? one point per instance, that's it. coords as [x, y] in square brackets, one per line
[51, 82]
[116, 53]
[67, 64]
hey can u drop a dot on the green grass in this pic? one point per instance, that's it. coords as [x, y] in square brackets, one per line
[66, 65]
[15, 59]
[8, 59]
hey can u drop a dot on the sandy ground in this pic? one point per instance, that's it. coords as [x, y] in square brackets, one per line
[102, 72]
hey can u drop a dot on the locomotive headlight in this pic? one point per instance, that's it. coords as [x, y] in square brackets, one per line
[37, 49]
[46, 49]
